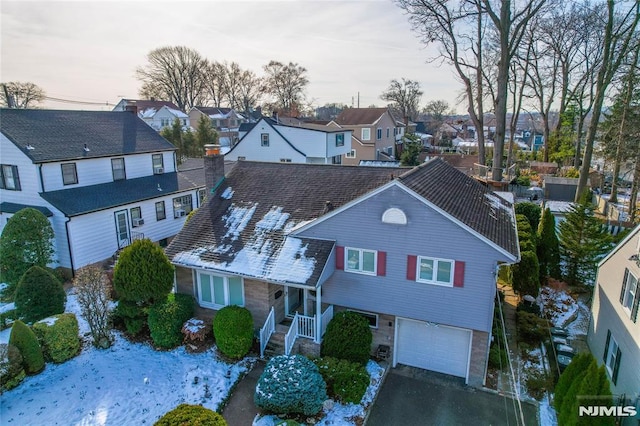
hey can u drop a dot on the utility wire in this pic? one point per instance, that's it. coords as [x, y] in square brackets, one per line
[70, 101]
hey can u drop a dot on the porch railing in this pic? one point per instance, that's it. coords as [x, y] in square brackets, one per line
[327, 316]
[307, 327]
[290, 337]
[267, 330]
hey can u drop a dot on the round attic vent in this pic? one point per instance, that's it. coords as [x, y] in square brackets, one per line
[394, 216]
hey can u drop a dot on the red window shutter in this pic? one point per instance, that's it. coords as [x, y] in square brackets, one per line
[412, 261]
[458, 274]
[340, 257]
[382, 263]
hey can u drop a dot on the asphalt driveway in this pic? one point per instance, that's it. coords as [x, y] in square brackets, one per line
[411, 396]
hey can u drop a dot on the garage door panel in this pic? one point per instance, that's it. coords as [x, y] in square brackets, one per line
[433, 347]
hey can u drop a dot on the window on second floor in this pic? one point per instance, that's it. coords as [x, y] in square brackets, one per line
[366, 134]
[630, 296]
[182, 206]
[336, 159]
[158, 163]
[69, 173]
[360, 260]
[379, 133]
[388, 132]
[117, 168]
[339, 139]
[351, 154]
[435, 271]
[9, 178]
[264, 139]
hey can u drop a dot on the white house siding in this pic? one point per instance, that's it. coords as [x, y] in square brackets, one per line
[27, 173]
[607, 313]
[251, 149]
[427, 233]
[94, 237]
[93, 171]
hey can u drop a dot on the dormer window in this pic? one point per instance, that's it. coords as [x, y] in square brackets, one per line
[117, 168]
[394, 216]
[69, 173]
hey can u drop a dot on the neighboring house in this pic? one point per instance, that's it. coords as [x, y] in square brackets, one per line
[560, 188]
[270, 140]
[374, 133]
[614, 327]
[415, 251]
[157, 114]
[102, 178]
[226, 121]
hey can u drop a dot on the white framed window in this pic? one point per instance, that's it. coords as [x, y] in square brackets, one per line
[69, 173]
[264, 139]
[158, 163]
[366, 134]
[435, 271]
[217, 291]
[351, 154]
[285, 160]
[339, 139]
[379, 133]
[336, 159]
[388, 132]
[160, 212]
[629, 291]
[182, 206]
[611, 353]
[371, 318]
[361, 261]
[117, 168]
[136, 217]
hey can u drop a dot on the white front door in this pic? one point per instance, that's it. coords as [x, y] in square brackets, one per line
[293, 300]
[122, 228]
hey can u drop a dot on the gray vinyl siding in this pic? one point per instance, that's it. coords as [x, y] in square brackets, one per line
[427, 233]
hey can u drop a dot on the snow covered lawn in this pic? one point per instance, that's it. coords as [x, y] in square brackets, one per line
[132, 383]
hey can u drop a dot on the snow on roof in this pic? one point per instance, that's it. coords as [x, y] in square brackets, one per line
[227, 194]
[177, 113]
[558, 206]
[147, 113]
[373, 163]
[237, 219]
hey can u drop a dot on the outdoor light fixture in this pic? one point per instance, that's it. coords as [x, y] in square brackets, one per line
[636, 258]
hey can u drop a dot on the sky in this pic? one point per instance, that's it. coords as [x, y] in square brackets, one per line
[88, 50]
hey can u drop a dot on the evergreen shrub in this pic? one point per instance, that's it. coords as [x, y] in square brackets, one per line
[27, 343]
[39, 295]
[132, 314]
[166, 319]
[58, 336]
[531, 328]
[346, 381]
[191, 415]
[233, 331]
[290, 385]
[349, 337]
[11, 368]
[531, 211]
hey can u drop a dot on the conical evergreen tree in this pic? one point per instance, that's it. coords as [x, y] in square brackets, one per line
[583, 241]
[548, 247]
[205, 134]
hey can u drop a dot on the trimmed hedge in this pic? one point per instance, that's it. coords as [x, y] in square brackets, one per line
[58, 337]
[349, 337]
[166, 319]
[291, 385]
[39, 295]
[11, 369]
[233, 331]
[132, 314]
[346, 381]
[27, 343]
[191, 415]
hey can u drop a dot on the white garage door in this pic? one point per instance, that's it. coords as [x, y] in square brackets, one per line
[433, 347]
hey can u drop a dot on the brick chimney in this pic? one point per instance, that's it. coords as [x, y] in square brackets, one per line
[213, 167]
[132, 108]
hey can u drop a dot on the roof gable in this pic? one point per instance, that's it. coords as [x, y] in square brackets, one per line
[270, 123]
[54, 135]
[360, 116]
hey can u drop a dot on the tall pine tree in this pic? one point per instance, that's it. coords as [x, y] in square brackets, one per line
[548, 247]
[583, 242]
[205, 134]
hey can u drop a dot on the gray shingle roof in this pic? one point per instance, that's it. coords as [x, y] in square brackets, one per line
[465, 199]
[243, 228]
[62, 135]
[6, 207]
[359, 116]
[87, 199]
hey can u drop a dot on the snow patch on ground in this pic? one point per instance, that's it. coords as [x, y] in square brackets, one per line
[558, 305]
[547, 413]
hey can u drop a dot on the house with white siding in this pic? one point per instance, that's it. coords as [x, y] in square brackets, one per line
[103, 179]
[614, 328]
[414, 251]
[157, 114]
[273, 141]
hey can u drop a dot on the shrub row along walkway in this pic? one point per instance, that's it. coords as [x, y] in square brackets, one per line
[241, 411]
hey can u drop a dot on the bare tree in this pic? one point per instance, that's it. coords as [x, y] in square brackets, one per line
[249, 90]
[214, 83]
[404, 96]
[619, 31]
[92, 288]
[176, 74]
[23, 95]
[286, 84]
